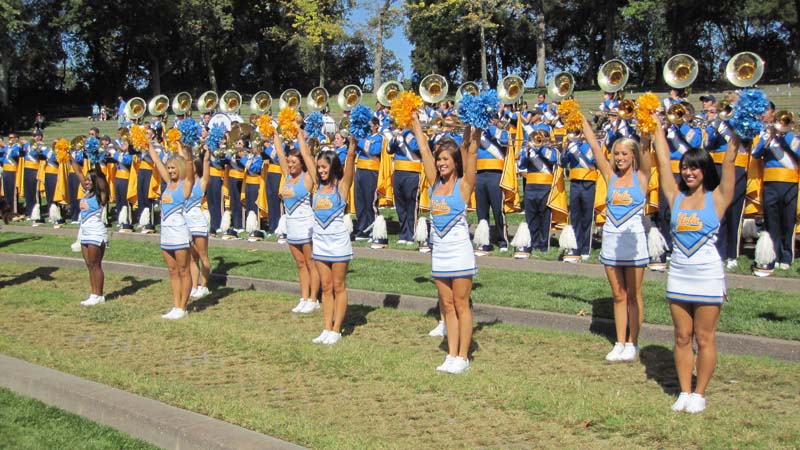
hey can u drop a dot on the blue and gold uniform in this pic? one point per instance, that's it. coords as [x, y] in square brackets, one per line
[73, 184]
[30, 181]
[405, 181]
[580, 161]
[273, 185]
[124, 162]
[539, 163]
[216, 169]
[10, 159]
[253, 165]
[235, 186]
[368, 152]
[488, 194]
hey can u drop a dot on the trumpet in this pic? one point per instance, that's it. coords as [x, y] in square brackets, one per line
[317, 99]
[680, 113]
[510, 89]
[135, 108]
[231, 102]
[157, 106]
[433, 88]
[561, 86]
[388, 91]
[744, 69]
[613, 76]
[182, 103]
[680, 71]
[540, 138]
[207, 102]
[349, 97]
[470, 87]
[784, 121]
[290, 98]
[725, 110]
[261, 102]
[626, 109]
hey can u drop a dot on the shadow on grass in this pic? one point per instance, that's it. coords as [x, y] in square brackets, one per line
[772, 317]
[474, 345]
[356, 316]
[602, 314]
[223, 267]
[41, 273]
[212, 299]
[659, 366]
[18, 240]
[134, 287]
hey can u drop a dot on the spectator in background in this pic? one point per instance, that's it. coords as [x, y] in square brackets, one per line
[95, 112]
[103, 113]
[38, 122]
[121, 113]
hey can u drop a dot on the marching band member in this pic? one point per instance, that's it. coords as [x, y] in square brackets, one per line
[200, 265]
[608, 104]
[676, 95]
[616, 127]
[147, 186]
[123, 158]
[175, 236]
[273, 184]
[579, 159]
[453, 172]
[296, 196]
[30, 178]
[73, 183]
[93, 233]
[781, 154]
[253, 188]
[51, 185]
[538, 159]
[11, 170]
[624, 253]
[366, 196]
[216, 181]
[541, 103]
[235, 184]
[405, 182]
[340, 146]
[332, 250]
[696, 281]
[488, 194]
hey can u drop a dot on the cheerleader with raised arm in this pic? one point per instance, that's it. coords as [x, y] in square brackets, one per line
[200, 265]
[297, 168]
[624, 252]
[453, 170]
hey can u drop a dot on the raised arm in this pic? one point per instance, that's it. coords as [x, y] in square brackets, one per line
[645, 161]
[599, 155]
[77, 169]
[469, 158]
[278, 144]
[305, 153]
[666, 180]
[428, 162]
[349, 168]
[723, 194]
[206, 170]
[157, 161]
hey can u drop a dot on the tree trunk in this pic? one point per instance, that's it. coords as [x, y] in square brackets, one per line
[155, 75]
[540, 46]
[484, 74]
[3, 82]
[376, 71]
[611, 30]
[322, 64]
[464, 59]
[212, 75]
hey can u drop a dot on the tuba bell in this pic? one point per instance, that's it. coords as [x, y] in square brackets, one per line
[784, 121]
[317, 99]
[261, 102]
[680, 71]
[182, 103]
[231, 102]
[612, 76]
[290, 98]
[157, 106]
[388, 91]
[135, 108]
[433, 88]
[510, 89]
[561, 86]
[744, 69]
[349, 97]
[470, 87]
[207, 102]
[626, 109]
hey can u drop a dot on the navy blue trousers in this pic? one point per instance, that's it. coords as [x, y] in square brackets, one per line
[780, 213]
[581, 212]
[214, 200]
[730, 225]
[235, 193]
[74, 201]
[537, 215]
[142, 193]
[366, 197]
[489, 195]
[406, 195]
[30, 183]
[273, 200]
[9, 189]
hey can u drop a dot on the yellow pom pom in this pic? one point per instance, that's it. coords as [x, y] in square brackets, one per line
[403, 106]
[571, 116]
[287, 122]
[139, 138]
[646, 105]
[265, 126]
[62, 150]
[173, 137]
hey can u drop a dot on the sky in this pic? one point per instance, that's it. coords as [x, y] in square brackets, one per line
[397, 43]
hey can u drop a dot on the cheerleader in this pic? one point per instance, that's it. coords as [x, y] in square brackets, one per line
[175, 236]
[200, 265]
[296, 196]
[624, 252]
[696, 280]
[453, 264]
[92, 233]
[332, 250]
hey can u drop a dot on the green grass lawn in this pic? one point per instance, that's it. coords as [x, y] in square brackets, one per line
[772, 314]
[28, 424]
[242, 357]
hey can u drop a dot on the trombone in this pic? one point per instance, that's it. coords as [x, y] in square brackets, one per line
[290, 98]
[744, 69]
[784, 121]
[182, 103]
[231, 102]
[388, 91]
[680, 71]
[261, 102]
[135, 108]
[626, 109]
[317, 99]
[157, 106]
[680, 113]
[207, 102]
[561, 86]
[470, 87]
[433, 88]
[349, 97]
[510, 89]
[540, 138]
[612, 76]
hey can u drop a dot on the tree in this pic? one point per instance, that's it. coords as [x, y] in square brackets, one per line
[383, 19]
[318, 22]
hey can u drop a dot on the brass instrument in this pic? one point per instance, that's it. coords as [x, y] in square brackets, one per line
[470, 87]
[317, 99]
[744, 69]
[157, 106]
[261, 102]
[626, 109]
[433, 88]
[231, 102]
[561, 86]
[344, 127]
[725, 110]
[207, 102]
[680, 71]
[540, 138]
[78, 142]
[135, 108]
[388, 91]
[290, 98]
[510, 89]
[124, 133]
[680, 113]
[613, 76]
[182, 103]
[435, 125]
[349, 97]
[784, 121]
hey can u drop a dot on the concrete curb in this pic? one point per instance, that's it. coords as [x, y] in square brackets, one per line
[733, 281]
[734, 344]
[155, 422]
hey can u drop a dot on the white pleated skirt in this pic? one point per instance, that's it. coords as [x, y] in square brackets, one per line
[625, 249]
[300, 229]
[696, 283]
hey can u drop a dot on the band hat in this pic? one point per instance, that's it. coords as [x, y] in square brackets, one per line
[708, 98]
[37, 133]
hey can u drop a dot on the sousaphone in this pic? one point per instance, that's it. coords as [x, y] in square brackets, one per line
[613, 76]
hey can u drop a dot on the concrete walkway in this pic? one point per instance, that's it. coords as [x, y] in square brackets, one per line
[496, 262]
[726, 342]
[157, 423]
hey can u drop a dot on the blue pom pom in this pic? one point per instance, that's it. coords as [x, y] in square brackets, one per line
[314, 125]
[93, 150]
[215, 136]
[360, 118]
[190, 132]
[479, 110]
[747, 113]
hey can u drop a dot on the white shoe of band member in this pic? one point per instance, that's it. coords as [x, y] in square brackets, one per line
[681, 403]
[439, 330]
[629, 353]
[732, 264]
[448, 361]
[615, 353]
[202, 291]
[321, 338]
[696, 404]
[309, 307]
[333, 338]
[300, 305]
[459, 365]
[169, 314]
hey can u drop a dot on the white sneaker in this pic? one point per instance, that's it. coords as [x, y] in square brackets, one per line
[439, 331]
[202, 291]
[321, 338]
[193, 293]
[448, 361]
[177, 313]
[169, 314]
[696, 404]
[88, 299]
[615, 352]
[333, 338]
[459, 365]
[309, 307]
[732, 264]
[300, 306]
[783, 266]
[402, 242]
[629, 353]
[680, 404]
[98, 299]
[584, 257]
